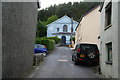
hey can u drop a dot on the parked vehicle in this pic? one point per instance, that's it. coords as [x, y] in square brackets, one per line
[40, 49]
[86, 53]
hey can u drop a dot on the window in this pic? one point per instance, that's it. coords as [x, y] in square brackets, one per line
[65, 28]
[108, 11]
[109, 52]
[57, 29]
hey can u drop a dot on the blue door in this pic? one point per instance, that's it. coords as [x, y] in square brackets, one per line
[63, 40]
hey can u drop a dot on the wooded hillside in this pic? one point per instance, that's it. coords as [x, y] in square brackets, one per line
[74, 10]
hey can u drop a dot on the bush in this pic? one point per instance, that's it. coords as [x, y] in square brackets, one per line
[56, 39]
[50, 44]
[73, 39]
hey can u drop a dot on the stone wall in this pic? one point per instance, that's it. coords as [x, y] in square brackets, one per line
[19, 21]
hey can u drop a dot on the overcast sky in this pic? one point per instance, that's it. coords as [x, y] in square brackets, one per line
[47, 3]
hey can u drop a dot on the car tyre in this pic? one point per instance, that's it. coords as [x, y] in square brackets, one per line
[75, 62]
[72, 58]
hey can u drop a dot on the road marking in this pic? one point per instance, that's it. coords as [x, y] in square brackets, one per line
[64, 56]
[63, 60]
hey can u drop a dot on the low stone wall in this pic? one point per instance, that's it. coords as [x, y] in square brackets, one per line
[38, 58]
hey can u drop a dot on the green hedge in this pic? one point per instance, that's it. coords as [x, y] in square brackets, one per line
[50, 44]
[57, 40]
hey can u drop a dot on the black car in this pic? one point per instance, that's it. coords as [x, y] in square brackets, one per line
[86, 53]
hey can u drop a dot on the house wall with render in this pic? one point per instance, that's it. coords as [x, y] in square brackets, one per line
[65, 20]
[88, 30]
[19, 21]
[110, 35]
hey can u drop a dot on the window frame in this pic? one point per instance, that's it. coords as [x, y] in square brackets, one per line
[109, 53]
[58, 29]
[108, 15]
[65, 28]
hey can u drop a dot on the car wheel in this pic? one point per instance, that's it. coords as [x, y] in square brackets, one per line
[72, 58]
[91, 55]
[75, 62]
[44, 54]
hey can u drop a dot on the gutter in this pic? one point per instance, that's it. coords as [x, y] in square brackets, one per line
[79, 21]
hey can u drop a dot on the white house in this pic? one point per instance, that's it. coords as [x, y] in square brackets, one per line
[63, 28]
[88, 29]
[109, 39]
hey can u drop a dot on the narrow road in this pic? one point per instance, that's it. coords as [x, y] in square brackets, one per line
[58, 64]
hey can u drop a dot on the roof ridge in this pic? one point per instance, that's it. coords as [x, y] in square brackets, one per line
[63, 17]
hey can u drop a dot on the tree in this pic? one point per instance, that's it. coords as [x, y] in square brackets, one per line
[42, 26]
[41, 30]
[50, 20]
[52, 13]
[74, 10]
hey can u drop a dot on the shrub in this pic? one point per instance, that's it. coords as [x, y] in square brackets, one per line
[72, 39]
[50, 44]
[56, 39]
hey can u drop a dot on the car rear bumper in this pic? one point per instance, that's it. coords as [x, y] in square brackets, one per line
[87, 60]
[38, 51]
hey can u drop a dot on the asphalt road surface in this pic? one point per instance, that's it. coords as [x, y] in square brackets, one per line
[58, 64]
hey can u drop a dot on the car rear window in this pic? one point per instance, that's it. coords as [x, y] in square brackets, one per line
[89, 47]
[39, 46]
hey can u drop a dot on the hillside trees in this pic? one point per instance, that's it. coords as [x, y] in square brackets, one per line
[74, 10]
[41, 29]
[52, 13]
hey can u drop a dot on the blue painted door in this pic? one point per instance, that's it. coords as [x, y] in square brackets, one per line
[63, 40]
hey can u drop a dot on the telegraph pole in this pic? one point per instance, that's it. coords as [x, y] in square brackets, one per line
[71, 29]
[71, 25]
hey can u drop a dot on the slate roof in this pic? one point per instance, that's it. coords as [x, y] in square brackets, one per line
[59, 21]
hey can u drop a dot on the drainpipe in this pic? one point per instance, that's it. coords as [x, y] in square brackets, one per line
[71, 29]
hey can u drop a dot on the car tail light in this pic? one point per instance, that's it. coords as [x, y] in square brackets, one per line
[78, 50]
[96, 60]
[80, 59]
[45, 47]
